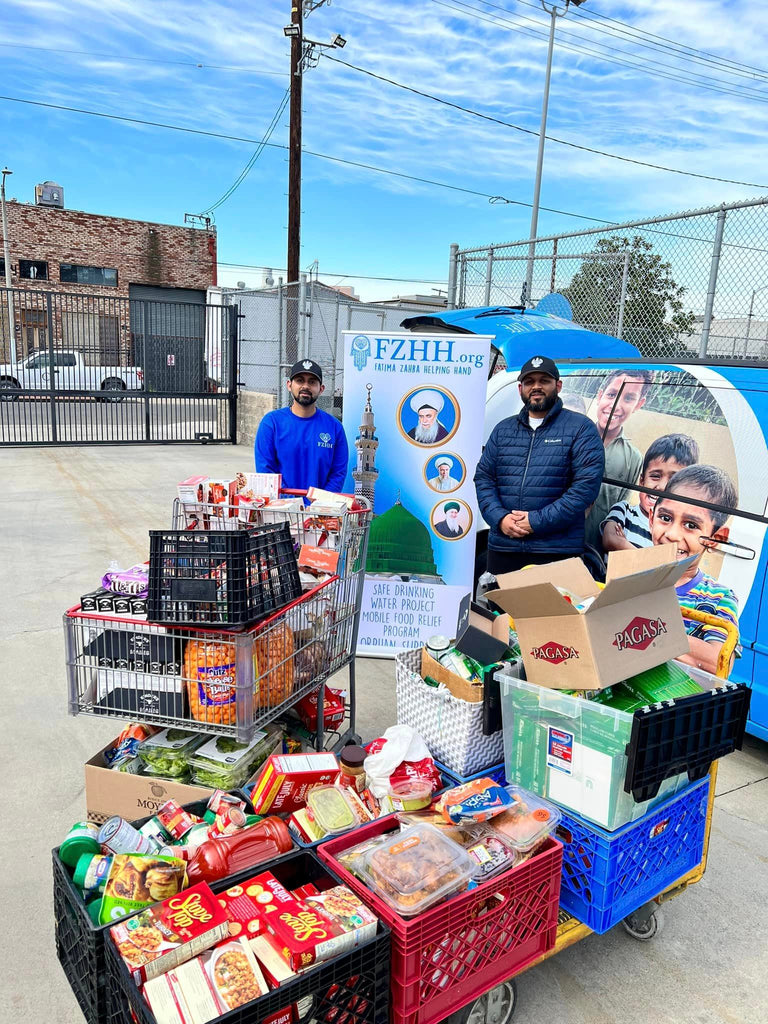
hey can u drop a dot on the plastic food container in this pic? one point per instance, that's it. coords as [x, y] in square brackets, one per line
[331, 809]
[527, 822]
[410, 795]
[224, 763]
[168, 752]
[416, 868]
[490, 850]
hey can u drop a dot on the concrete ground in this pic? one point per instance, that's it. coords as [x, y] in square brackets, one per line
[65, 513]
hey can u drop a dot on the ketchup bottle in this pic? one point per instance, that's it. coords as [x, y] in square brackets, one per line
[246, 848]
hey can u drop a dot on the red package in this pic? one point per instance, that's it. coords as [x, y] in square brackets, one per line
[410, 771]
[333, 709]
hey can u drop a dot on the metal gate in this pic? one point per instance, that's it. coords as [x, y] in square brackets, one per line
[91, 369]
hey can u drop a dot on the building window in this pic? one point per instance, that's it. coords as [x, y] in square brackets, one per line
[73, 273]
[33, 270]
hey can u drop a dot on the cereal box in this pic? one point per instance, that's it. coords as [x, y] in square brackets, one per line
[286, 779]
[193, 493]
[165, 935]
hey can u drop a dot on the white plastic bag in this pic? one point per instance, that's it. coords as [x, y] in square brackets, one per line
[402, 744]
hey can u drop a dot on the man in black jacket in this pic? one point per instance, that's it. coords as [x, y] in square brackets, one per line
[538, 474]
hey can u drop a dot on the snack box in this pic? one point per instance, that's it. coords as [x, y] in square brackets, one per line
[318, 559]
[193, 493]
[167, 934]
[334, 705]
[182, 996]
[286, 779]
[307, 931]
[320, 495]
[259, 485]
[634, 623]
[241, 906]
[275, 969]
[305, 827]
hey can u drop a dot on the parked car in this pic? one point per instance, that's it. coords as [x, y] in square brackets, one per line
[70, 373]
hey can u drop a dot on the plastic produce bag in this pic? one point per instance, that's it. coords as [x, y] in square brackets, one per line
[400, 755]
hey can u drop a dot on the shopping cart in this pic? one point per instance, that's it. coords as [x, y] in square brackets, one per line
[497, 1005]
[345, 535]
[214, 681]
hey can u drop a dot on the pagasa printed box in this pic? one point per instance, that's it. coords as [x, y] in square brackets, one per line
[167, 934]
[632, 624]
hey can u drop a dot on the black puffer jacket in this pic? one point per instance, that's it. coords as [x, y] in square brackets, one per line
[553, 473]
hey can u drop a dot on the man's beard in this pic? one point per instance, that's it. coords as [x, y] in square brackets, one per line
[306, 399]
[453, 525]
[543, 404]
[427, 435]
[444, 483]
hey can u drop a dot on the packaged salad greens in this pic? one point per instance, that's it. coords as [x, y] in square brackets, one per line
[167, 754]
[225, 763]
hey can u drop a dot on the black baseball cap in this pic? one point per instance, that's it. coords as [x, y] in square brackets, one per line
[306, 366]
[540, 364]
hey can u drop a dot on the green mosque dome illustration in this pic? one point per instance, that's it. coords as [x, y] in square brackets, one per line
[399, 543]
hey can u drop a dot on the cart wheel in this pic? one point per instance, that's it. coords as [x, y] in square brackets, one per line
[494, 1007]
[646, 930]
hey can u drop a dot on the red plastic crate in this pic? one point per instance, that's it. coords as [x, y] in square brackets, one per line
[454, 952]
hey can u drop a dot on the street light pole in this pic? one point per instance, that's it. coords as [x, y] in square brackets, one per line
[7, 260]
[554, 13]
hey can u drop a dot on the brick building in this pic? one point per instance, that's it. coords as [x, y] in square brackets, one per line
[93, 264]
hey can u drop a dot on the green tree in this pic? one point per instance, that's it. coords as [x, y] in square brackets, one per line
[655, 319]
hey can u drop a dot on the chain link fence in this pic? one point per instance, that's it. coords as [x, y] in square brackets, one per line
[686, 285]
[304, 320]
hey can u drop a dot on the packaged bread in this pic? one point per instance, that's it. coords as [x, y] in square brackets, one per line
[210, 675]
[273, 666]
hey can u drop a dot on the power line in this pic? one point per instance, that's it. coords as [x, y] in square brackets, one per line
[697, 80]
[146, 60]
[261, 147]
[276, 145]
[530, 131]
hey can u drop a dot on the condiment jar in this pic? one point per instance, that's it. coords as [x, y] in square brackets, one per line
[246, 848]
[352, 773]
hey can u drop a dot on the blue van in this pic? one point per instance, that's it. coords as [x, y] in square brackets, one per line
[722, 406]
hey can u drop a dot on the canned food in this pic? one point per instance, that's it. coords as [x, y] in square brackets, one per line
[220, 799]
[82, 838]
[228, 821]
[91, 873]
[174, 819]
[118, 836]
[155, 833]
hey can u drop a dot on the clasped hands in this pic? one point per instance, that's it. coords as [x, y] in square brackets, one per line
[515, 524]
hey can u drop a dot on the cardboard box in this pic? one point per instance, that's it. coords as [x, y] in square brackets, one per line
[632, 624]
[461, 688]
[110, 792]
[285, 780]
[318, 558]
[480, 634]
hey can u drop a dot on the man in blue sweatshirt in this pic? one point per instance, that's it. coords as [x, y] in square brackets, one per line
[303, 443]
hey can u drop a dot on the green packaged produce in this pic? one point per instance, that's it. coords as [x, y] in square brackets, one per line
[619, 698]
[167, 753]
[224, 763]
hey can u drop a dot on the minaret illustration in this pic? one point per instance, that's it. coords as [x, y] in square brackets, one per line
[365, 473]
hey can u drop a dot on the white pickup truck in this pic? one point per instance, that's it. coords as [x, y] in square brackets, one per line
[70, 374]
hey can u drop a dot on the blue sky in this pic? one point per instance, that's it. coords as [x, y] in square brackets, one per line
[489, 56]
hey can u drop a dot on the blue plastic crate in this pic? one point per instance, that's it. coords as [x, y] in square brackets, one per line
[609, 875]
[496, 773]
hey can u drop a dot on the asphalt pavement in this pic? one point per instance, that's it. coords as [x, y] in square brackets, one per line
[65, 514]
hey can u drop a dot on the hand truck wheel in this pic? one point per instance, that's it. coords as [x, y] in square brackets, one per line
[494, 1007]
[645, 927]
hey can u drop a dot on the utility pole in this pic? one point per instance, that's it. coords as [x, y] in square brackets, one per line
[294, 143]
[7, 260]
[554, 14]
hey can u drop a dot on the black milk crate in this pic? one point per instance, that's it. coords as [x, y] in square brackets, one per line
[353, 987]
[221, 578]
[80, 943]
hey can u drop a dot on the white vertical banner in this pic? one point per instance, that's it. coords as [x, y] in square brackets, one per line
[414, 407]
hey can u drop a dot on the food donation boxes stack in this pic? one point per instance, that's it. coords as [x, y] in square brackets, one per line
[600, 720]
